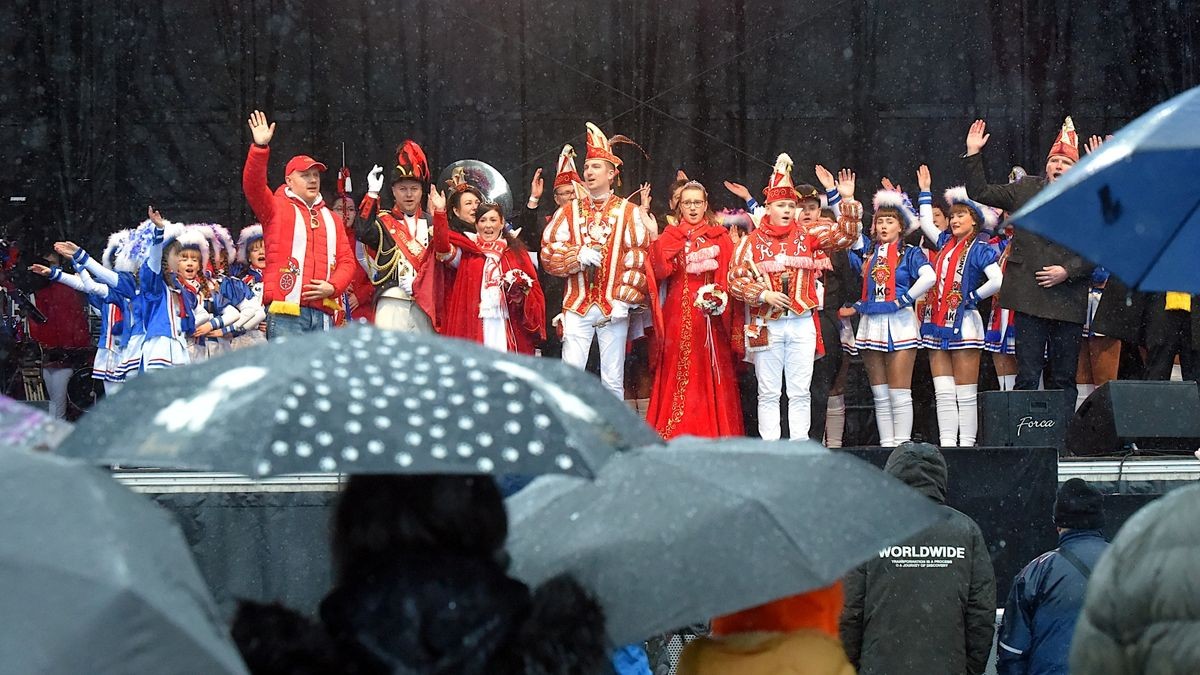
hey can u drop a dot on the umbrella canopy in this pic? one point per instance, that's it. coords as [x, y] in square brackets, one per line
[677, 534]
[1131, 206]
[362, 400]
[97, 579]
[23, 427]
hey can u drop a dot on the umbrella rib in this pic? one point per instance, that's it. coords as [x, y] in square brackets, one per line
[1169, 243]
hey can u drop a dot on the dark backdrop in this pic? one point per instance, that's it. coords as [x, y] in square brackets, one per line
[107, 105]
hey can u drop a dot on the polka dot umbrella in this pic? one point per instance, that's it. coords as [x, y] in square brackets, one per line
[362, 400]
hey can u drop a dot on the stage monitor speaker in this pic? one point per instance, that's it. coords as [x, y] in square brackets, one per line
[1122, 414]
[1023, 418]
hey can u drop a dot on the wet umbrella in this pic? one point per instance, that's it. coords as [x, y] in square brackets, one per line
[677, 534]
[23, 427]
[95, 578]
[363, 400]
[1132, 205]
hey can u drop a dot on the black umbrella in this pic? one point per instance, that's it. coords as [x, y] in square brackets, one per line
[363, 400]
[675, 535]
[95, 578]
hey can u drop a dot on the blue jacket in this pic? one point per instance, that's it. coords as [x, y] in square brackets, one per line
[1043, 606]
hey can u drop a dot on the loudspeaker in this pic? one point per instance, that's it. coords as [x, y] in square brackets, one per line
[1023, 418]
[1150, 415]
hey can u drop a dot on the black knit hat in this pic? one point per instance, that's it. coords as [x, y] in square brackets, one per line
[1079, 506]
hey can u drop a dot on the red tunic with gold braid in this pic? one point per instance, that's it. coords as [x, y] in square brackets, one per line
[615, 229]
[773, 258]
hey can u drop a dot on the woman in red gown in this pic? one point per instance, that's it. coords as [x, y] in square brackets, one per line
[493, 294]
[695, 389]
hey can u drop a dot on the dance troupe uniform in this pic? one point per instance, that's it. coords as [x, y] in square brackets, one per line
[783, 344]
[1001, 334]
[894, 275]
[967, 272]
[251, 326]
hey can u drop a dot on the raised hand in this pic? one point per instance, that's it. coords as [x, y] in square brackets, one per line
[825, 177]
[680, 175]
[845, 184]
[924, 179]
[977, 137]
[437, 200]
[259, 129]
[738, 189]
[155, 217]
[1094, 144]
[375, 180]
[40, 270]
[888, 185]
[644, 196]
[66, 248]
[537, 186]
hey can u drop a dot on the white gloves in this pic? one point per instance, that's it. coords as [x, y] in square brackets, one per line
[620, 310]
[375, 180]
[406, 284]
[589, 257]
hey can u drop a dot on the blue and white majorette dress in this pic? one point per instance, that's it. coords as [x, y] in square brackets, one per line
[892, 279]
[1000, 337]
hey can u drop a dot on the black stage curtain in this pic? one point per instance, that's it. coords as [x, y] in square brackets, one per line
[108, 106]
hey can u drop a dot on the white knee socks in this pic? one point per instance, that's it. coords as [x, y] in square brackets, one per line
[883, 415]
[1082, 392]
[835, 421]
[968, 418]
[947, 410]
[1007, 382]
[902, 414]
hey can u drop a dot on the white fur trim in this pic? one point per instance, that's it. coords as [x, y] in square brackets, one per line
[246, 237]
[116, 241]
[958, 195]
[890, 199]
[702, 266]
[784, 262]
[706, 253]
[193, 237]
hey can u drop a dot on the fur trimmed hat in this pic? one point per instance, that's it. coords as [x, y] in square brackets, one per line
[895, 201]
[193, 237]
[116, 241]
[985, 216]
[248, 235]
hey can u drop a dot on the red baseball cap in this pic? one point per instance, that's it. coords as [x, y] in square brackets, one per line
[302, 163]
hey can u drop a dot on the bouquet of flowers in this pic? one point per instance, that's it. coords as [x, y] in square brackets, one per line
[516, 285]
[711, 300]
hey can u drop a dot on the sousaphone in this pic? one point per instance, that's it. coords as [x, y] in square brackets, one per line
[483, 177]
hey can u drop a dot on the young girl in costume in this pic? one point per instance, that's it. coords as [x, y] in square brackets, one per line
[894, 275]
[967, 271]
[494, 296]
[250, 327]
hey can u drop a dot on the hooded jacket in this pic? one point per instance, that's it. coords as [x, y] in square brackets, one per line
[1142, 609]
[926, 606]
[1043, 606]
[440, 614]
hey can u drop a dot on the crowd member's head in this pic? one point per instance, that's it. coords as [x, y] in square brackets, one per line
[808, 207]
[565, 177]
[464, 199]
[1064, 153]
[892, 216]
[941, 219]
[251, 250]
[303, 178]
[1078, 506]
[189, 253]
[676, 188]
[601, 168]
[409, 177]
[967, 216]
[780, 195]
[691, 207]
[343, 206]
[381, 518]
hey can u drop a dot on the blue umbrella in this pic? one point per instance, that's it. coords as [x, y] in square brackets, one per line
[1131, 206]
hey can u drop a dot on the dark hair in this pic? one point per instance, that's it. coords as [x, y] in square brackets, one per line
[968, 210]
[943, 208]
[514, 242]
[454, 201]
[381, 517]
[828, 213]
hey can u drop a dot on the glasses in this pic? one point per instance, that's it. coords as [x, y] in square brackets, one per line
[693, 203]
[564, 194]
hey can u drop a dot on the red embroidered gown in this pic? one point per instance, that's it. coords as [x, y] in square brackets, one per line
[695, 388]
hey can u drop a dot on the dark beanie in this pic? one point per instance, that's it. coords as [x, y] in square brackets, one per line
[1079, 506]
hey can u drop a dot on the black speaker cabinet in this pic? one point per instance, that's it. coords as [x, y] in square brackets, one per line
[1023, 418]
[1159, 416]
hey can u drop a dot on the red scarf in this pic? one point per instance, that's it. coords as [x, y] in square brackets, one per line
[879, 277]
[943, 311]
[774, 231]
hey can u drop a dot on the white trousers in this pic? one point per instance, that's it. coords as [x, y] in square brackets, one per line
[402, 315]
[611, 333]
[56, 380]
[789, 357]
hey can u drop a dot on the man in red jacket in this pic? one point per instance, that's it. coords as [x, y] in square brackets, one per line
[309, 259]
